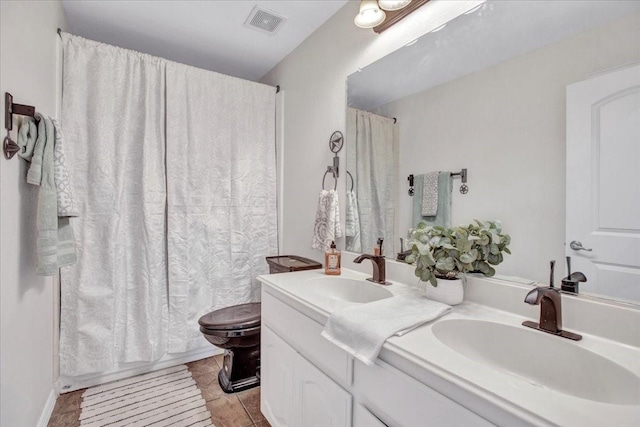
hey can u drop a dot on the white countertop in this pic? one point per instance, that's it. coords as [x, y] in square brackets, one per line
[486, 390]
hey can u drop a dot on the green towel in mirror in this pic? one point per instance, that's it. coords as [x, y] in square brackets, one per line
[443, 216]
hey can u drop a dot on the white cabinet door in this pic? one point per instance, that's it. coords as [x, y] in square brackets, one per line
[363, 418]
[277, 381]
[603, 183]
[320, 401]
[294, 392]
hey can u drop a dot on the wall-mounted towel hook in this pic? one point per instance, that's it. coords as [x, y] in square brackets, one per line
[411, 189]
[9, 147]
[335, 185]
[464, 188]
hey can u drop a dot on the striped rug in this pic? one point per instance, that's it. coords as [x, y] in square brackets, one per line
[169, 397]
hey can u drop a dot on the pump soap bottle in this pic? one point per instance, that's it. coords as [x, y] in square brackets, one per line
[332, 258]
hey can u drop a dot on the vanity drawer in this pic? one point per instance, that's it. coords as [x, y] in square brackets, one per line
[399, 400]
[303, 334]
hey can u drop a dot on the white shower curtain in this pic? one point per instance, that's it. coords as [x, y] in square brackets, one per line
[376, 177]
[221, 178]
[153, 257]
[114, 300]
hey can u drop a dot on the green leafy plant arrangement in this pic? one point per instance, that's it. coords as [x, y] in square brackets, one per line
[439, 252]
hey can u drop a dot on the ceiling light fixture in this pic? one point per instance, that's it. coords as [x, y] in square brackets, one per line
[370, 14]
[392, 5]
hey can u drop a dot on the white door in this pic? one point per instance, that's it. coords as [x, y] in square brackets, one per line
[603, 182]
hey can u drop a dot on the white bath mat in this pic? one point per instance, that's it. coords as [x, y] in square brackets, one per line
[169, 397]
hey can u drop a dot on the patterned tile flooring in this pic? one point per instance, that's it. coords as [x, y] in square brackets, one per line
[227, 410]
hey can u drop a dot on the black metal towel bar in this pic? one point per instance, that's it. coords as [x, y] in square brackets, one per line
[464, 189]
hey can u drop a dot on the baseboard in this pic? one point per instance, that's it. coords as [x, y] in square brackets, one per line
[48, 409]
[68, 384]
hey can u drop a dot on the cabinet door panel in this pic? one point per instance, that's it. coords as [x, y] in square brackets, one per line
[277, 373]
[304, 334]
[363, 418]
[320, 401]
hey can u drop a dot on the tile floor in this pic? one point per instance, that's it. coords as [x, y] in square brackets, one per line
[227, 410]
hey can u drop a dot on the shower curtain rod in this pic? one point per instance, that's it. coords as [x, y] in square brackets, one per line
[59, 31]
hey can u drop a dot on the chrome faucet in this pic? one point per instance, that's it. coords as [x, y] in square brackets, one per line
[550, 303]
[379, 273]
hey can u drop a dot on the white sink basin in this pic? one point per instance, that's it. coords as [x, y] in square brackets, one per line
[345, 289]
[541, 359]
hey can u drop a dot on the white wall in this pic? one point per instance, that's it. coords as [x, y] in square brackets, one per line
[506, 125]
[29, 71]
[313, 78]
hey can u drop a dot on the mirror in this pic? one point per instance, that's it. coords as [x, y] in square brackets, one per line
[488, 93]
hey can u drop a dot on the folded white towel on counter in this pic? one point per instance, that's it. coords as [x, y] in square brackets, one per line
[363, 329]
[327, 226]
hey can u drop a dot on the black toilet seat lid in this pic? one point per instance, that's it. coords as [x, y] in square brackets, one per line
[235, 317]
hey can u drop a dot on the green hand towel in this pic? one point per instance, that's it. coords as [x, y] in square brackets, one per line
[55, 246]
[443, 216]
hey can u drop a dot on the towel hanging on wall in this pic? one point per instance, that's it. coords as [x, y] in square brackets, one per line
[352, 223]
[443, 215]
[55, 246]
[327, 225]
[430, 194]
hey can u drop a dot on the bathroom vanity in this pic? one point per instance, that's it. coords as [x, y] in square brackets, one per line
[476, 366]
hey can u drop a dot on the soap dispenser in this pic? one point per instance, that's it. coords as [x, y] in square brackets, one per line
[332, 258]
[377, 251]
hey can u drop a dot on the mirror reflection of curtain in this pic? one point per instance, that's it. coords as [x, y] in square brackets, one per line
[374, 147]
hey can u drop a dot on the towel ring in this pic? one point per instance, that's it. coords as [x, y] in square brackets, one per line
[351, 176]
[335, 187]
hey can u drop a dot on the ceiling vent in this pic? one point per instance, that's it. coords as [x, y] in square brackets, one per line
[264, 20]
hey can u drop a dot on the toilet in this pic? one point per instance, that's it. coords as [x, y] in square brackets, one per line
[237, 330]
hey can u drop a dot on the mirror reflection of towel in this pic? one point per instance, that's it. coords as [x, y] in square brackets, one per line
[352, 223]
[430, 194]
[443, 215]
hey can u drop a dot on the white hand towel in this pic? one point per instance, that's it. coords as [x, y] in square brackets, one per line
[430, 194]
[67, 205]
[327, 226]
[352, 223]
[362, 330]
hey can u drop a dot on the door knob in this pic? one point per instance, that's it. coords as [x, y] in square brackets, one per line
[577, 246]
